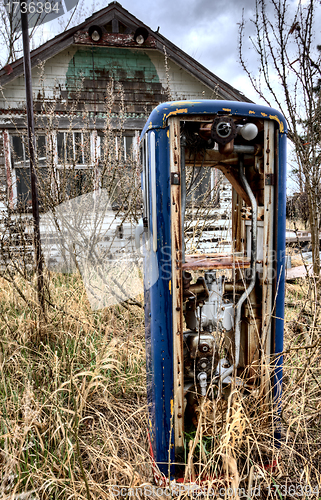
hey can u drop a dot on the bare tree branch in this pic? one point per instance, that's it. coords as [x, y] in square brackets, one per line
[288, 65]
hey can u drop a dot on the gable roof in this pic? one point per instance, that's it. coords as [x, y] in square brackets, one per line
[115, 14]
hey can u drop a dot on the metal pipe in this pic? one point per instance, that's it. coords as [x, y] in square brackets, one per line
[244, 149]
[249, 289]
[183, 192]
[231, 287]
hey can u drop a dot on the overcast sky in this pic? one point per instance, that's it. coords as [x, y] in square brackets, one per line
[205, 29]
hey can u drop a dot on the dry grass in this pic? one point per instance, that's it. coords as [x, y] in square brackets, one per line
[73, 405]
[74, 410]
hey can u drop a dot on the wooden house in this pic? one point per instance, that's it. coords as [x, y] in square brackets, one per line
[72, 76]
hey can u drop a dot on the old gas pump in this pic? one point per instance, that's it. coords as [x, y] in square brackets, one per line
[213, 318]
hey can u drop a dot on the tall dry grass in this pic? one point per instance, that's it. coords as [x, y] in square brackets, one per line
[73, 404]
[74, 409]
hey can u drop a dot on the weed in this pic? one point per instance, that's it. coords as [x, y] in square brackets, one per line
[74, 410]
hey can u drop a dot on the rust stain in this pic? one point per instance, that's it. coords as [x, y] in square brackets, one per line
[113, 40]
[177, 289]
[269, 217]
[176, 156]
[185, 102]
[203, 262]
[277, 119]
[176, 112]
[254, 326]
[176, 225]
[8, 69]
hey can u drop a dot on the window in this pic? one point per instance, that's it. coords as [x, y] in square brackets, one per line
[116, 154]
[74, 182]
[72, 163]
[117, 147]
[128, 147]
[74, 158]
[73, 148]
[20, 164]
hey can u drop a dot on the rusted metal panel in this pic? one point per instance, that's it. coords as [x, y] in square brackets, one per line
[215, 261]
[252, 312]
[177, 288]
[237, 223]
[268, 255]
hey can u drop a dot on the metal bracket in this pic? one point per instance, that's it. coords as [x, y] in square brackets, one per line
[269, 179]
[175, 178]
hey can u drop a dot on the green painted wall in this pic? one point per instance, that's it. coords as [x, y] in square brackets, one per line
[112, 62]
[132, 70]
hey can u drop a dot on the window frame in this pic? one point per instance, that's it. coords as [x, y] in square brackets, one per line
[73, 162]
[20, 160]
[18, 165]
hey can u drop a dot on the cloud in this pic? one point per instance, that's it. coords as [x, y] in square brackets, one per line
[206, 30]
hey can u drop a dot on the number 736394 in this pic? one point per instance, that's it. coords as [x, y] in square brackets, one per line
[294, 490]
[33, 7]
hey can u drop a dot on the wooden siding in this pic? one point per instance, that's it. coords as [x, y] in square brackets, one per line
[139, 76]
[140, 73]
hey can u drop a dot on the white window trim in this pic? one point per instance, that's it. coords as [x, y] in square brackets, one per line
[73, 164]
[95, 155]
[10, 171]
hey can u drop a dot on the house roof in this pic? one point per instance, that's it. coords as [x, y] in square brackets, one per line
[114, 14]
